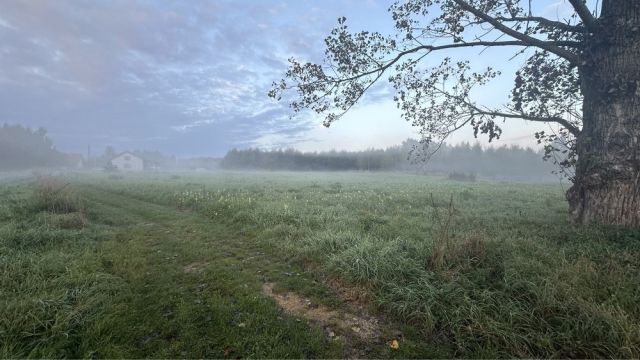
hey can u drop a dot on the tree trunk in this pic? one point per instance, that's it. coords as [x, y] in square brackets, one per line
[607, 183]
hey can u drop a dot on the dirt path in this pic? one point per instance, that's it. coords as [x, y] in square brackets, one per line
[209, 258]
[366, 328]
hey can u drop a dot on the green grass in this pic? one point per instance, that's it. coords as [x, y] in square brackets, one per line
[472, 270]
[119, 286]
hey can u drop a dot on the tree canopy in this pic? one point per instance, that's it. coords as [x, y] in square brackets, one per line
[23, 148]
[439, 99]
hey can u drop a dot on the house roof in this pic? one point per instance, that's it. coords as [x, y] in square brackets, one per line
[126, 153]
[146, 161]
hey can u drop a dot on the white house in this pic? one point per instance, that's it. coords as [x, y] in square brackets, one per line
[127, 161]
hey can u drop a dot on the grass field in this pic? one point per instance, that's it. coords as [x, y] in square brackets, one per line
[175, 265]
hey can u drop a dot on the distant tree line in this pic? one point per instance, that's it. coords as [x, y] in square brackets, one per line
[23, 148]
[295, 160]
[508, 162]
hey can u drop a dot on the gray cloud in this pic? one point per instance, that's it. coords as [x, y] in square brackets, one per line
[182, 77]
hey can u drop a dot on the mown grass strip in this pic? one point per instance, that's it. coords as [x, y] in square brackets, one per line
[120, 287]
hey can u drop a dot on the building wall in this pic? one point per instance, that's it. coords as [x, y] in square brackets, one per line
[128, 162]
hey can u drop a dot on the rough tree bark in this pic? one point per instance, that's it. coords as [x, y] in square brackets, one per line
[607, 182]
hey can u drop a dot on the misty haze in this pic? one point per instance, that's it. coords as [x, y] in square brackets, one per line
[320, 179]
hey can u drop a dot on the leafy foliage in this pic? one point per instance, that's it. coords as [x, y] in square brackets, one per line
[440, 99]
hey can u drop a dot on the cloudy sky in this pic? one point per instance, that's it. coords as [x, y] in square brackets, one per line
[189, 77]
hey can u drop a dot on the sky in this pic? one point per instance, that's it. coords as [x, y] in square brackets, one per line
[190, 78]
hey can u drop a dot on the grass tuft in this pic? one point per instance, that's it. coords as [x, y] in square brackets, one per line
[54, 196]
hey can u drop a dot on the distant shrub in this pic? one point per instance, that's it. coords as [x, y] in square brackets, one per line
[458, 176]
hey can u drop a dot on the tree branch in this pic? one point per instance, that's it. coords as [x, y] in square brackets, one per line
[556, 119]
[585, 15]
[478, 111]
[544, 21]
[459, 45]
[572, 129]
[531, 41]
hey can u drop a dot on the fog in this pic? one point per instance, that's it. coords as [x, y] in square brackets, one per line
[188, 78]
[24, 150]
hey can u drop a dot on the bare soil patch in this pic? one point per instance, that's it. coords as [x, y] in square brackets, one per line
[355, 295]
[363, 327]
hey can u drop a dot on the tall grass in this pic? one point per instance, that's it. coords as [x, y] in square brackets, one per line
[486, 269]
[40, 304]
[55, 196]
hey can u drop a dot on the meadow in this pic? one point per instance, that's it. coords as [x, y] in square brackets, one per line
[103, 267]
